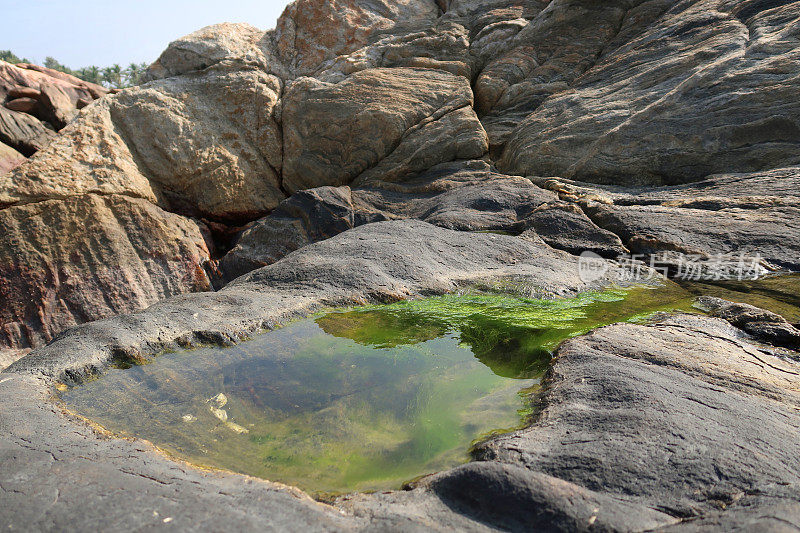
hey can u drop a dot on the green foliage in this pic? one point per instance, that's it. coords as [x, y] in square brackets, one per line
[113, 77]
[10, 57]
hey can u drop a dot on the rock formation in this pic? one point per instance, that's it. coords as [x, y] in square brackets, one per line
[35, 103]
[362, 152]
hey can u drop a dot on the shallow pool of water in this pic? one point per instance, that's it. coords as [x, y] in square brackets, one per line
[359, 399]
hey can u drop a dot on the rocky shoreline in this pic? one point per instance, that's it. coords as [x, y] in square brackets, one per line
[407, 149]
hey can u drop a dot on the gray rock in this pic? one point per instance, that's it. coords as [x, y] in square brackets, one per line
[769, 232]
[761, 324]
[465, 196]
[705, 88]
[674, 416]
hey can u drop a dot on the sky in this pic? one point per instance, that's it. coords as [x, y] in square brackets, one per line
[81, 33]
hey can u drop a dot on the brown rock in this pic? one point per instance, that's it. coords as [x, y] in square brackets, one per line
[83, 102]
[209, 139]
[89, 156]
[23, 132]
[65, 262]
[311, 32]
[333, 133]
[24, 92]
[23, 105]
[9, 158]
[21, 76]
[214, 44]
[57, 106]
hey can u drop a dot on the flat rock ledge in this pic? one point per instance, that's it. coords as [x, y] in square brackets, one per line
[687, 423]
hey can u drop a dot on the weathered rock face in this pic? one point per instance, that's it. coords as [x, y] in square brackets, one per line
[210, 46]
[311, 32]
[87, 257]
[375, 124]
[35, 102]
[706, 88]
[209, 139]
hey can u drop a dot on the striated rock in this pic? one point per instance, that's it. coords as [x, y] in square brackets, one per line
[335, 133]
[546, 57]
[209, 139]
[9, 158]
[443, 46]
[87, 257]
[212, 45]
[23, 132]
[311, 32]
[706, 88]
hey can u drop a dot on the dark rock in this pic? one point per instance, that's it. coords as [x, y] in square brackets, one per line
[23, 132]
[761, 324]
[465, 196]
[567, 228]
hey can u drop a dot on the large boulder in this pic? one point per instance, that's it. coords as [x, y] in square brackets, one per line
[378, 123]
[212, 45]
[209, 139]
[68, 261]
[708, 87]
[89, 156]
[311, 32]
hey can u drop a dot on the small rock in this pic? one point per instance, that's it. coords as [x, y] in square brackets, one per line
[23, 105]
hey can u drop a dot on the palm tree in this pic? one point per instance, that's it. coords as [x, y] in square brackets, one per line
[113, 76]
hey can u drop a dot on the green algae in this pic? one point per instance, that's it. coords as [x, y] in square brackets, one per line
[359, 399]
